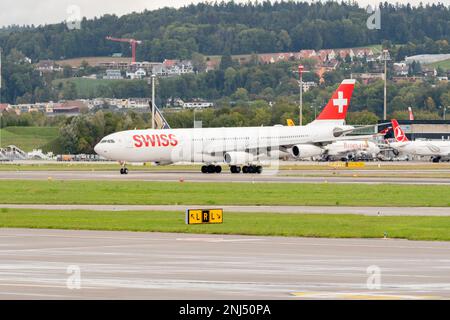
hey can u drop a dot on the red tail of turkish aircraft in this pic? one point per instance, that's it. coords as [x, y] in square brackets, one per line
[337, 106]
[398, 132]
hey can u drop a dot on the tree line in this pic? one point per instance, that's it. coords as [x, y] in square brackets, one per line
[216, 28]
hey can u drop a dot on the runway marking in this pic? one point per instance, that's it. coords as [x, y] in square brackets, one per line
[217, 239]
[360, 296]
[41, 285]
[24, 294]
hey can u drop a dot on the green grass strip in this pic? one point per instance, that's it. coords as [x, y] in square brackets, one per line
[167, 193]
[262, 224]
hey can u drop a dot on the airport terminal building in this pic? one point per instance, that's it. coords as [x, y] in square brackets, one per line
[421, 129]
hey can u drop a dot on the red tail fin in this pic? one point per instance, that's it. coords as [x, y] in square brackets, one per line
[398, 132]
[336, 108]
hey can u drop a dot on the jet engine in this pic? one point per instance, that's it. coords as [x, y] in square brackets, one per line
[237, 158]
[300, 151]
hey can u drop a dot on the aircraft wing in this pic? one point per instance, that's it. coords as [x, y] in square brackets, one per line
[362, 127]
[345, 138]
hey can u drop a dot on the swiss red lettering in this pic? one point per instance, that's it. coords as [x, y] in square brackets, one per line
[159, 140]
[173, 140]
[138, 142]
[164, 140]
[150, 139]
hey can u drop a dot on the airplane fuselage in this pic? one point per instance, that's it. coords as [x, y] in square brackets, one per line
[423, 148]
[207, 145]
[352, 146]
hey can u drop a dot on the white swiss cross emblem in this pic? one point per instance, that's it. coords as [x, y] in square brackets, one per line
[340, 102]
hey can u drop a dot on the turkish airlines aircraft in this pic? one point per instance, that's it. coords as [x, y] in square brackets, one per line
[240, 148]
[436, 149]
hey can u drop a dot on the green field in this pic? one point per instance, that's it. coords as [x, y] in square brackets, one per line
[335, 226]
[29, 138]
[445, 65]
[166, 193]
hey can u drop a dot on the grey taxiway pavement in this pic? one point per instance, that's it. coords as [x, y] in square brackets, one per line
[267, 177]
[57, 264]
[370, 211]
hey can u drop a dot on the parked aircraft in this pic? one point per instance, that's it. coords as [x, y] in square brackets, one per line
[437, 149]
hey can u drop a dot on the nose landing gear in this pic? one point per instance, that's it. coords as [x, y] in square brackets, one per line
[123, 169]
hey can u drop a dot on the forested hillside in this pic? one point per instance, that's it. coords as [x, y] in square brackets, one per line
[228, 27]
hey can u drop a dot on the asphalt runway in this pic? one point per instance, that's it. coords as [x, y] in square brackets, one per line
[49, 264]
[266, 177]
[368, 211]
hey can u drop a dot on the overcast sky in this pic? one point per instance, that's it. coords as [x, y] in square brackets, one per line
[52, 11]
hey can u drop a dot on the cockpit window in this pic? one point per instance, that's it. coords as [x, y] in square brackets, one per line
[107, 141]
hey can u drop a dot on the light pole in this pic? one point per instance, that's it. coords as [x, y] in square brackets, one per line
[194, 117]
[300, 74]
[315, 111]
[153, 101]
[385, 58]
[444, 109]
[1, 112]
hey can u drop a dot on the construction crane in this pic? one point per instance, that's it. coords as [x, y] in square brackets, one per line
[132, 42]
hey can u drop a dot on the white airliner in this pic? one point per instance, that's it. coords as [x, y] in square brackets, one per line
[438, 150]
[236, 147]
[351, 148]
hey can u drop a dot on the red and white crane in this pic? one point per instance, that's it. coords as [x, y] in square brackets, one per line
[132, 42]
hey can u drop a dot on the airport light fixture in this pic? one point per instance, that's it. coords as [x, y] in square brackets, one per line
[1, 112]
[385, 57]
[153, 100]
[315, 111]
[301, 70]
[444, 110]
[300, 75]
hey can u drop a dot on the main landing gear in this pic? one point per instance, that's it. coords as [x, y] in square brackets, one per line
[233, 169]
[246, 169]
[211, 169]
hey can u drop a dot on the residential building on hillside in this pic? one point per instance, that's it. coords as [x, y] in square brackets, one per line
[113, 74]
[5, 107]
[401, 69]
[360, 53]
[138, 74]
[197, 104]
[343, 53]
[47, 66]
[178, 67]
[326, 55]
[308, 85]
[367, 78]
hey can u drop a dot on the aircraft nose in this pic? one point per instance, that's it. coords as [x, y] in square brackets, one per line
[97, 148]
